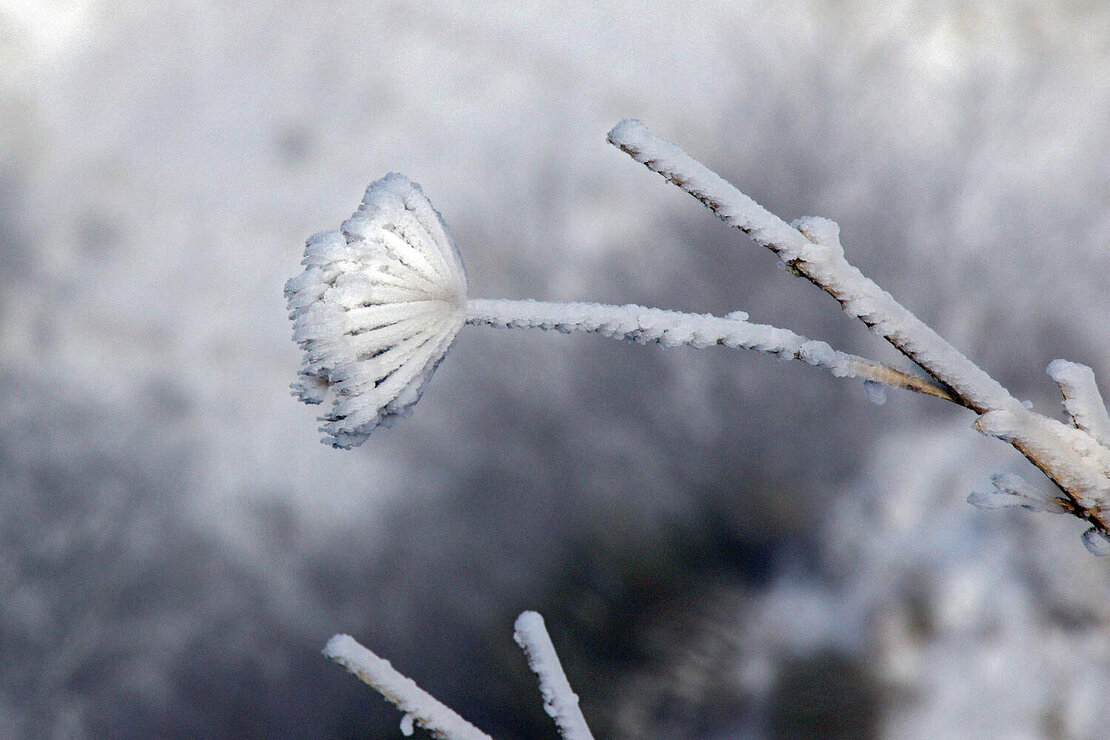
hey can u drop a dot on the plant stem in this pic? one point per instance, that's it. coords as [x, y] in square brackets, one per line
[824, 267]
[425, 709]
[674, 328]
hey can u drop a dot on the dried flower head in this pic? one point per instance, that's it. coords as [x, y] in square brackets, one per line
[377, 306]
[380, 301]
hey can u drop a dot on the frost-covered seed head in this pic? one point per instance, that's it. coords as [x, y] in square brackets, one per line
[376, 308]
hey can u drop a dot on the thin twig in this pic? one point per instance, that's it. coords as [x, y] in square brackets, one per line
[673, 328]
[559, 699]
[821, 265]
[425, 709]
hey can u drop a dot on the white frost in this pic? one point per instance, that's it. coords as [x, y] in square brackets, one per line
[377, 306]
[1077, 458]
[403, 692]
[1082, 399]
[1070, 456]
[559, 700]
[875, 392]
[817, 254]
[1014, 491]
[672, 329]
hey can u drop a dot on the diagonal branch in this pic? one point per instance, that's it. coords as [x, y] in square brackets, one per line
[559, 700]
[417, 704]
[818, 257]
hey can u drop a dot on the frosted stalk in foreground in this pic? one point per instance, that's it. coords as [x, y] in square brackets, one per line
[418, 705]
[559, 700]
[423, 709]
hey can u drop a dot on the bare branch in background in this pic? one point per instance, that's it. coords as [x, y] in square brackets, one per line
[423, 709]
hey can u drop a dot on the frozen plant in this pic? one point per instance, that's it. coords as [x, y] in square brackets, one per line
[423, 709]
[381, 300]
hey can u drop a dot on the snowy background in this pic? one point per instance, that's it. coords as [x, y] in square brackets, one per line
[722, 545]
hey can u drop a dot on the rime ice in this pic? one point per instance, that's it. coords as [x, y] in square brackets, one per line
[1014, 491]
[380, 301]
[559, 700]
[1076, 457]
[875, 392]
[377, 306]
[417, 704]
[1082, 399]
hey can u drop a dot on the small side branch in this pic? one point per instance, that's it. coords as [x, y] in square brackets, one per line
[559, 699]
[674, 328]
[417, 704]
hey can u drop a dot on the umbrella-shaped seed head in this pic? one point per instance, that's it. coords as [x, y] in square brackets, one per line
[376, 308]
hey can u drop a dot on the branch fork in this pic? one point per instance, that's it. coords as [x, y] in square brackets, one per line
[1075, 457]
[421, 708]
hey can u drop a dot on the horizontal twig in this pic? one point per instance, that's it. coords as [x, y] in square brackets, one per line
[674, 328]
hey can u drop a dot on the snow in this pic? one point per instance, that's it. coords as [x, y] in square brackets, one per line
[1070, 456]
[1012, 490]
[1074, 459]
[818, 256]
[875, 392]
[1082, 399]
[673, 329]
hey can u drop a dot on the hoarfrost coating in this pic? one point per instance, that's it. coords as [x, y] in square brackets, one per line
[402, 691]
[377, 306]
[1082, 399]
[812, 246]
[1074, 457]
[381, 300]
[559, 700]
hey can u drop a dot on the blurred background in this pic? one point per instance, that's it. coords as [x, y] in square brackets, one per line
[723, 545]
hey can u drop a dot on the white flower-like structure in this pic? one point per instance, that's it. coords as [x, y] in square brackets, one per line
[378, 304]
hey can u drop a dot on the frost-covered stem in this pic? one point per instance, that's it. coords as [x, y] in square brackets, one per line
[674, 328]
[438, 719]
[559, 700]
[821, 265]
[1079, 465]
